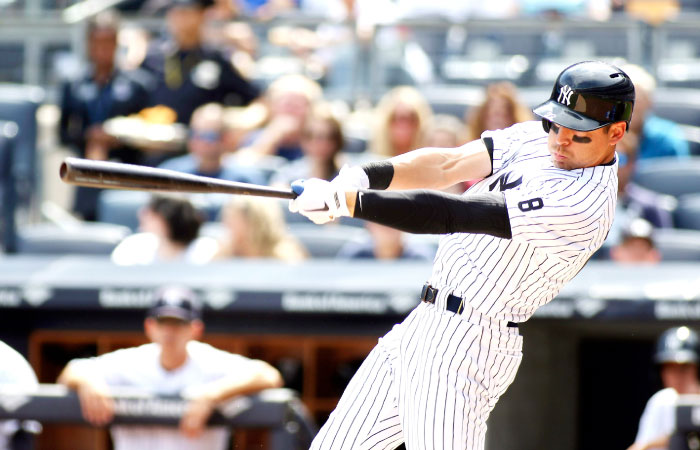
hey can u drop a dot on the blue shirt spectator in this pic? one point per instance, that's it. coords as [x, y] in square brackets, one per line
[662, 137]
[189, 164]
[206, 150]
[657, 137]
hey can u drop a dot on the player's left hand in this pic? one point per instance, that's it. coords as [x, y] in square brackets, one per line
[319, 200]
[194, 420]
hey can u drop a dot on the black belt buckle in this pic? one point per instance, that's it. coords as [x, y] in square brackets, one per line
[428, 294]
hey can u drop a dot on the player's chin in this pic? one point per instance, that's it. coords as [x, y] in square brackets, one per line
[560, 163]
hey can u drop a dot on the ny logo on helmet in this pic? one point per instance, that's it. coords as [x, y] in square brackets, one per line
[565, 95]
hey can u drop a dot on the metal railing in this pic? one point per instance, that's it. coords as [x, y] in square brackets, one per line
[278, 410]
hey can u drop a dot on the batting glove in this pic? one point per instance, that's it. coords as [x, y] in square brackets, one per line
[319, 200]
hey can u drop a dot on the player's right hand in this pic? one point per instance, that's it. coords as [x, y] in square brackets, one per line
[318, 200]
[96, 404]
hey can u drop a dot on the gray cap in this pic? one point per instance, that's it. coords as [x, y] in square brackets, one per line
[177, 303]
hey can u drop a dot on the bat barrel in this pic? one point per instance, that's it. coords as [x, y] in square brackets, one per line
[111, 175]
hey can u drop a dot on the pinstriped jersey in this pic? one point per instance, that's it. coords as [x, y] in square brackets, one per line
[558, 219]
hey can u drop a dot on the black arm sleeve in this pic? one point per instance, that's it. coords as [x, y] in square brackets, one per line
[435, 212]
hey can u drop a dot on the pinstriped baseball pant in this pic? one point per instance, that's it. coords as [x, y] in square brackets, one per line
[431, 382]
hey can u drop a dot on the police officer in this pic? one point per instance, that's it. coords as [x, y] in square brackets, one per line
[187, 73]
[677, 355]
[102, 92]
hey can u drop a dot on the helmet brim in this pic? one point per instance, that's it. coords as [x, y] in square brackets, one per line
[565, 117]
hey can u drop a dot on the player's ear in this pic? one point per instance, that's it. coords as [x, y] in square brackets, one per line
[617, 132]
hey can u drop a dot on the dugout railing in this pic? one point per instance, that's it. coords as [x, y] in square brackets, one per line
[279, 411]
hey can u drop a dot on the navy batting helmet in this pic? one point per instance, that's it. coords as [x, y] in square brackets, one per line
[587, 96]
[677, 345]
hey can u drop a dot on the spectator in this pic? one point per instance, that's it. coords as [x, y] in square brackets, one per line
[593, 9]
[634, 200]
[290, 100]
[448, 132]
[255, 228]
[15, 372]
[386, 243]
[322, 143]
[169, 232]
[101, 93]
[677, 357]
[637, 245]
[206, 149]
[401, 122]
[263, 9]
[445, 131]
[189, 74]
[657, 137]
[173, 363]
[499, 109]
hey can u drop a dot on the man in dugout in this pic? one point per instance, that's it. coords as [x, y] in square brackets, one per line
[173, 363]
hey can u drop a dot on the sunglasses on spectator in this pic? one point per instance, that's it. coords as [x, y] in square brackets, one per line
[206, 136]
[404, 117]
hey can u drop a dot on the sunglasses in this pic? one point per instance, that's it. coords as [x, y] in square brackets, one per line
[206, 136]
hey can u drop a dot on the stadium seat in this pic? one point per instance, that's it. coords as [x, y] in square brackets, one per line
[678, 245]
[8, 198]
[670, 176]
[683, 113]
[325, 241]
[687, 213]
[19, 103]
[84, 239]
[121, 207]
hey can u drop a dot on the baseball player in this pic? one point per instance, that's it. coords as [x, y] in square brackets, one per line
[677, 357]
[173, 363]
[511, 242]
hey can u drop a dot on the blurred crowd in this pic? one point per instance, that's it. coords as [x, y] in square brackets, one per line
[219, 123]
[193, 100]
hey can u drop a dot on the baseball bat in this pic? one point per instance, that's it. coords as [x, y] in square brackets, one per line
[112, 175]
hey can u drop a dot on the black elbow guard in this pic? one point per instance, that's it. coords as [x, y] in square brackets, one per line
[435, 212]
[380, 174]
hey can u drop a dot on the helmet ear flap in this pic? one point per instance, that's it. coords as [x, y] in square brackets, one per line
[546, 124]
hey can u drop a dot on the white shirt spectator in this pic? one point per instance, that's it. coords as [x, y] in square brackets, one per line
[659, 418]
[139, 367]
[142, 249]
[14, 371]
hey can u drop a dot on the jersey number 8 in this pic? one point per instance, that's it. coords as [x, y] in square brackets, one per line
[531, 205]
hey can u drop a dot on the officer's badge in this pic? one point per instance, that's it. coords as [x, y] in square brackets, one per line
[206, 75]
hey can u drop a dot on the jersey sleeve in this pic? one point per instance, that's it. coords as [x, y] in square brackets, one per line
[562, 217]
[507, 140]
